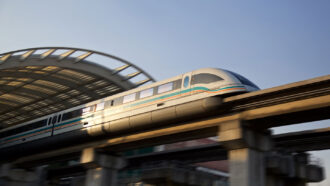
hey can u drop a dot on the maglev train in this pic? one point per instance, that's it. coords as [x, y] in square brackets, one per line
[145, 107]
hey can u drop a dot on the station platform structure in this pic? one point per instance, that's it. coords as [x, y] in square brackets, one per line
[36, 82]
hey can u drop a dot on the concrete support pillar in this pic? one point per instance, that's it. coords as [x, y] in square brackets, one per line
[102, 168]
[300, 175]
[246, 167]
[10, 176]
[291, 170]
[296, 172]
[295, 182]
[101, 176]
[246, 153]
[78, 181]
[274, 180]
[279, 168]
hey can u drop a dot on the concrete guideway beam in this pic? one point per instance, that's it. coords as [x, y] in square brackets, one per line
[234, 134]
[143, 137]
[283, 163]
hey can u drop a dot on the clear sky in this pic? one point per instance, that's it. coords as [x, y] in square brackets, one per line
[270, 42]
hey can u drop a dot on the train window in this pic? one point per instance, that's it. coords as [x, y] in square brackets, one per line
[108, 104]
[45, 122]
[25, 128]
[59, 118]
[54, 120]
[49, 120]
[77, 113]
[86, 110]
[146, 93]
[129, 98]
[204, 78]
[118, 101]
[19, 130]
[11, 132]
[37, 124]
[165, 88]
[66, 116]
[186, 82]
[5, 134]
[177, 84]
[72, 114]
[243, 79]
[99, 106]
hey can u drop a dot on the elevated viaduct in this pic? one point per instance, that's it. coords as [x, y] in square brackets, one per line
[242, 126]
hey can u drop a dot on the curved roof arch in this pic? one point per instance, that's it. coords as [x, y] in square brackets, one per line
[38, 81]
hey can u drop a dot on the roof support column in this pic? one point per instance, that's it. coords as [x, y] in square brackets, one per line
[246, 152]
[102, 168]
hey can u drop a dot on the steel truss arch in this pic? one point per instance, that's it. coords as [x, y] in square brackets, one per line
[38, 81]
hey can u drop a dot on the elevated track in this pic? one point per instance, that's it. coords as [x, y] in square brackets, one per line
[293, 103]
[242, 124]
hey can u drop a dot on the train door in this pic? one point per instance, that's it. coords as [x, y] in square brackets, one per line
[52, 121]
[185, 87]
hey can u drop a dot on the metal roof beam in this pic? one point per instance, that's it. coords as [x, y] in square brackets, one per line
[59, 81]
[88, 92]
[82, 57]
[26, 55]
[47, 77]
[27, 91]
[11, 101]
[47, 53]
[4, 58]
[66, 54]
[4, 105]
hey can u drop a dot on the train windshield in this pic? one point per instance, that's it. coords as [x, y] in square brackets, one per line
[204, 78]
[243, 79]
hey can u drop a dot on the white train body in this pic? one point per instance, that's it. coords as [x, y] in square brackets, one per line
[144, 107]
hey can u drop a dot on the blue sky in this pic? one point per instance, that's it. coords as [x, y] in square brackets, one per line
[270, 42]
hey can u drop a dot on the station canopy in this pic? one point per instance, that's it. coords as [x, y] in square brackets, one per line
[36, 82]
